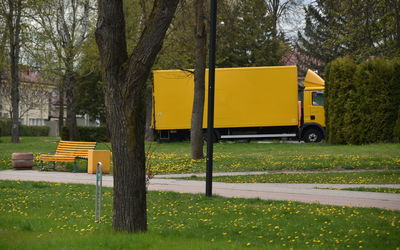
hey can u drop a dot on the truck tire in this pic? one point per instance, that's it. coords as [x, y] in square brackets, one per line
[312, 135]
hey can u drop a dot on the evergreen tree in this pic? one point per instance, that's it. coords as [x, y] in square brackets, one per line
[246, 35]
[313, 46]
[361, 29]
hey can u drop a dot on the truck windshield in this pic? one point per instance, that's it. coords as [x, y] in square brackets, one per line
[318, 98]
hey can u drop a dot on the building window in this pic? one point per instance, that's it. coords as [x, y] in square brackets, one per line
[36, 122]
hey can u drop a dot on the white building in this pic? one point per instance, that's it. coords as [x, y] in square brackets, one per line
[39, 102]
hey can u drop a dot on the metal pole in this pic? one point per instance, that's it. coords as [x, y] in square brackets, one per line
[99, 193]
[211, 84]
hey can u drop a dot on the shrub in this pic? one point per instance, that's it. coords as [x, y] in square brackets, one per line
[5, 129]
[34, 130]
[97, 134]
[375, 104]
[339, 89]
[396, 129]
[363, 101]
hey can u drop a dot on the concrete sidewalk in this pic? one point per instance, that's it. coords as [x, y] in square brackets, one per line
[266, 191]
[270, 172]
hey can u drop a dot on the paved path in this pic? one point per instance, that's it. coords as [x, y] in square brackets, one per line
[272, 172]
[265, 191]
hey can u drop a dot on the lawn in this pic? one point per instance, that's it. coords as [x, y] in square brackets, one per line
[166, 158]
[233, 157]
[50, 215]
[372, 177]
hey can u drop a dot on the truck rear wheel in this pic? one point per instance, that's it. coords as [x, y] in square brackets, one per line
[312, 135]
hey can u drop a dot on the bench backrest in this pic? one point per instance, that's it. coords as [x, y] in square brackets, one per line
[75, 148]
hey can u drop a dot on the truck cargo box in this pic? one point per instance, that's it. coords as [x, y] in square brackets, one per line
[244, 97]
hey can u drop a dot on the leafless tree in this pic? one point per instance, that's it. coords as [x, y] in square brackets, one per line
[65, 25]
[11, 11]
[280, 10]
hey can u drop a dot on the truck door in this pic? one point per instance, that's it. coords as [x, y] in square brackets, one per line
[317, 112]
[314, 107]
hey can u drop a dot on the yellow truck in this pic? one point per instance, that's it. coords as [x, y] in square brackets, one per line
[250, 103]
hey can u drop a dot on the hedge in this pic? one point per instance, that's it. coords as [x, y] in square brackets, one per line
[339, 91]
[97, 134]
[34, 130]
[5, 129]
[363, 101]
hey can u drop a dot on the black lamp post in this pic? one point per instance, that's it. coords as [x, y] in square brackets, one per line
[211, 85]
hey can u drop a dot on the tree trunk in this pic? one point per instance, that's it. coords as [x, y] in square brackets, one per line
[149, 134]
[71, 105]
[13, 21]
[395, 8]
[14, 98]
[125, 87]
[196, 132]
[61, 112]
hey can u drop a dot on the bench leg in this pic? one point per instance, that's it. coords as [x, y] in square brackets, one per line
[41, 165]
[75, 168]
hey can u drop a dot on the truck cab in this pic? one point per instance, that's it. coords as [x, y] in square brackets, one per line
[313, 118]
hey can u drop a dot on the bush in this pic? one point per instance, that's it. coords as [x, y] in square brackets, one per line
[339, 90]
[5, 129]
[396, 129]
[34, 130]
[375, 104]
[97, 134]
[363, 101]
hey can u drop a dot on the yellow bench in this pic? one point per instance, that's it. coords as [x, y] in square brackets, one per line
[69, 151]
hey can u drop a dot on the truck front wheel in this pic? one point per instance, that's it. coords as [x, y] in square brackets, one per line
[312, 135]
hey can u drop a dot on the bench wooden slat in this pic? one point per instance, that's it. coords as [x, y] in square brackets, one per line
[76, 143]
[72, 153]
[74, 149]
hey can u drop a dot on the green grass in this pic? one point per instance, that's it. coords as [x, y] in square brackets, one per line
[230, 157]
[47, 215]
[386, 177]
[363, 189]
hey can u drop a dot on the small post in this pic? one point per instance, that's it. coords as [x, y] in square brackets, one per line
[75, 167]
[99, 193]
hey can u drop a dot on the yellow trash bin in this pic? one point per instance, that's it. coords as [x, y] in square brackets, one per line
[95, 156]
